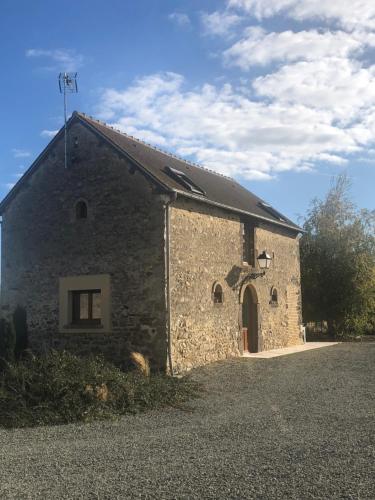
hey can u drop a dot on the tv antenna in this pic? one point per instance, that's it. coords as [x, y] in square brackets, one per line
[67, 84]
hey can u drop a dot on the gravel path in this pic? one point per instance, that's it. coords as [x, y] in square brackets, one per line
[294, 427]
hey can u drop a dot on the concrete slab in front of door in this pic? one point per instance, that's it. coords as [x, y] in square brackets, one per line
[274, 353]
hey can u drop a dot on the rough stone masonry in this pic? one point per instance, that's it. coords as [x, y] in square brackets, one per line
[123, 238]
[206, 247]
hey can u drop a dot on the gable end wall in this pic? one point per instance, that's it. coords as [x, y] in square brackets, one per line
[123, 237]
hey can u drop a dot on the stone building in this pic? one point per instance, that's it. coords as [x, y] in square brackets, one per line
[133, 249]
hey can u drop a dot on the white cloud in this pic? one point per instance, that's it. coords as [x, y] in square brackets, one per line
[259, 47]
[340, 87]
[59, 59]
[48, 133]
[314, 102]
[326, 157]
[347, 13]
[228, 131]
[180, 19]
[20, 153]
[220, 23]
[9, 185]
[143, 90]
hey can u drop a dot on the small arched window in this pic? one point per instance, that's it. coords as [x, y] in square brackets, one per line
[81, 210]
[217, 294]
[274, 300]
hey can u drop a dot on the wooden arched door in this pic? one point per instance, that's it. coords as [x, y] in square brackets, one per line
[250, 319]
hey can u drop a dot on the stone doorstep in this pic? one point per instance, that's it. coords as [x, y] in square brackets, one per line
[274, 353]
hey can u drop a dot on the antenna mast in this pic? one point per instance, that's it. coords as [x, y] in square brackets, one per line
[67, 83]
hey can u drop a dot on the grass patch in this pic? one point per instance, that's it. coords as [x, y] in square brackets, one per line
[60, 388]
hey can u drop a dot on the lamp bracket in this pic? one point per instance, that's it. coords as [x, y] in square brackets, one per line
[252, 276]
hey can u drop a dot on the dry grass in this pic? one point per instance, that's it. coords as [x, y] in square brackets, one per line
[141, 363]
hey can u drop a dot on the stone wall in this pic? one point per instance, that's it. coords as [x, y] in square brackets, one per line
[123, 236]
[279, 324]
[206, 247]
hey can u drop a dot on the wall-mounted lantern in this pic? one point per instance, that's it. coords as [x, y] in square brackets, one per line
[264, 260]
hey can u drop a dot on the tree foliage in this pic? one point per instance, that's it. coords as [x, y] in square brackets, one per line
[338, 262]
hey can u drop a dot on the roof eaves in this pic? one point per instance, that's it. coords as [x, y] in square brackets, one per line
[297, 229]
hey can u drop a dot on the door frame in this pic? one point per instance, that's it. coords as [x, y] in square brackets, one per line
[255, 300]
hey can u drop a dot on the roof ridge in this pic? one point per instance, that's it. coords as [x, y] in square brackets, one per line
[168, 153]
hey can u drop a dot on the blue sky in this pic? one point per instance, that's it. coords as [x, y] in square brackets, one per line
[279, 94]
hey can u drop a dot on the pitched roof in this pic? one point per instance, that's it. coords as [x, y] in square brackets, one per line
[219, 189]
[160, 166]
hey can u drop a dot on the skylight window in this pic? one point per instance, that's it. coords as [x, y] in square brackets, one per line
[271, 211]
[184, 180]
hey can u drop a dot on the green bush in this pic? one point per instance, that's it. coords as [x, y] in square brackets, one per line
[59, 388]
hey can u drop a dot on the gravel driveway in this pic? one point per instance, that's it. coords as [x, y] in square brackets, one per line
[294, 427]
